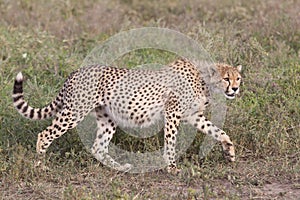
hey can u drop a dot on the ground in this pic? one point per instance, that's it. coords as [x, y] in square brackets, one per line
[263, 121]
[244, 180]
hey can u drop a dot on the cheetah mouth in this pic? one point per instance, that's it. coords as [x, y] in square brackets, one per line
[230, 96]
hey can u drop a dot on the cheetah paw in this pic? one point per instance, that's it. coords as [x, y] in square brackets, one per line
[173, 170]
[125, 168]
[228, 150]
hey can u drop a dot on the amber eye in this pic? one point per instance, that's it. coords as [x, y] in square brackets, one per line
[226, 79]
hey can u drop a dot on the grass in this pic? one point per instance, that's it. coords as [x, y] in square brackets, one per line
[263, 121]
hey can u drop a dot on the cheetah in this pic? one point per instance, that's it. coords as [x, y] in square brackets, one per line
[134, 97]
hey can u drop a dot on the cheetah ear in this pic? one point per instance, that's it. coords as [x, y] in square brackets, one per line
[239, 68]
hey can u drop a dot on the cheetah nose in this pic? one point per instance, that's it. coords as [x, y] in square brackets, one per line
[235, 89]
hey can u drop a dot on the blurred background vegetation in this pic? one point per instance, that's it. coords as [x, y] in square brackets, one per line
[49, 39]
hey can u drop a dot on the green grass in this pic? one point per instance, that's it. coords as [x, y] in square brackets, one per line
[263, 122]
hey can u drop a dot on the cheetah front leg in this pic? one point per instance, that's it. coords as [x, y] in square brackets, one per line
[106, 127]
[204, 125]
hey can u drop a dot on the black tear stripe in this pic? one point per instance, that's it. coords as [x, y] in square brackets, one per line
[227, 89]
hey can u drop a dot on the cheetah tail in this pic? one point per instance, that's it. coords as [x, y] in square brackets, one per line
[29, 112]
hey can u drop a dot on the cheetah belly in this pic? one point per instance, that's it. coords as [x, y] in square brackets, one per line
[136, 116]
[135, 108]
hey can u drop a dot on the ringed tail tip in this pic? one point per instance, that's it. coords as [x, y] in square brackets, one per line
[19, 77]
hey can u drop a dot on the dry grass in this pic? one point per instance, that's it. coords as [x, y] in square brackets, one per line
[49, 39]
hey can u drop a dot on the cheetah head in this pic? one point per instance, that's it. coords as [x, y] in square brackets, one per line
[231, 79]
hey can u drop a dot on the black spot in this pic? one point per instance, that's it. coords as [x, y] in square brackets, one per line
[19, 106]
[17, 98]
[39, 114]
[25, 108]
[18, 87]
[209, 132]
[51, 106]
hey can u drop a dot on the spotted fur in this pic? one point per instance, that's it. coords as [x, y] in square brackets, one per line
[133, 98]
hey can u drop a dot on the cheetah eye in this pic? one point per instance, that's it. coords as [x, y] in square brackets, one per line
[226, 79]
[238, 79]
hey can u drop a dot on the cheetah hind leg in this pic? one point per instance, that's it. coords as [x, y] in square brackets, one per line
[59, 126]
[106, 127]
[172, 119]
